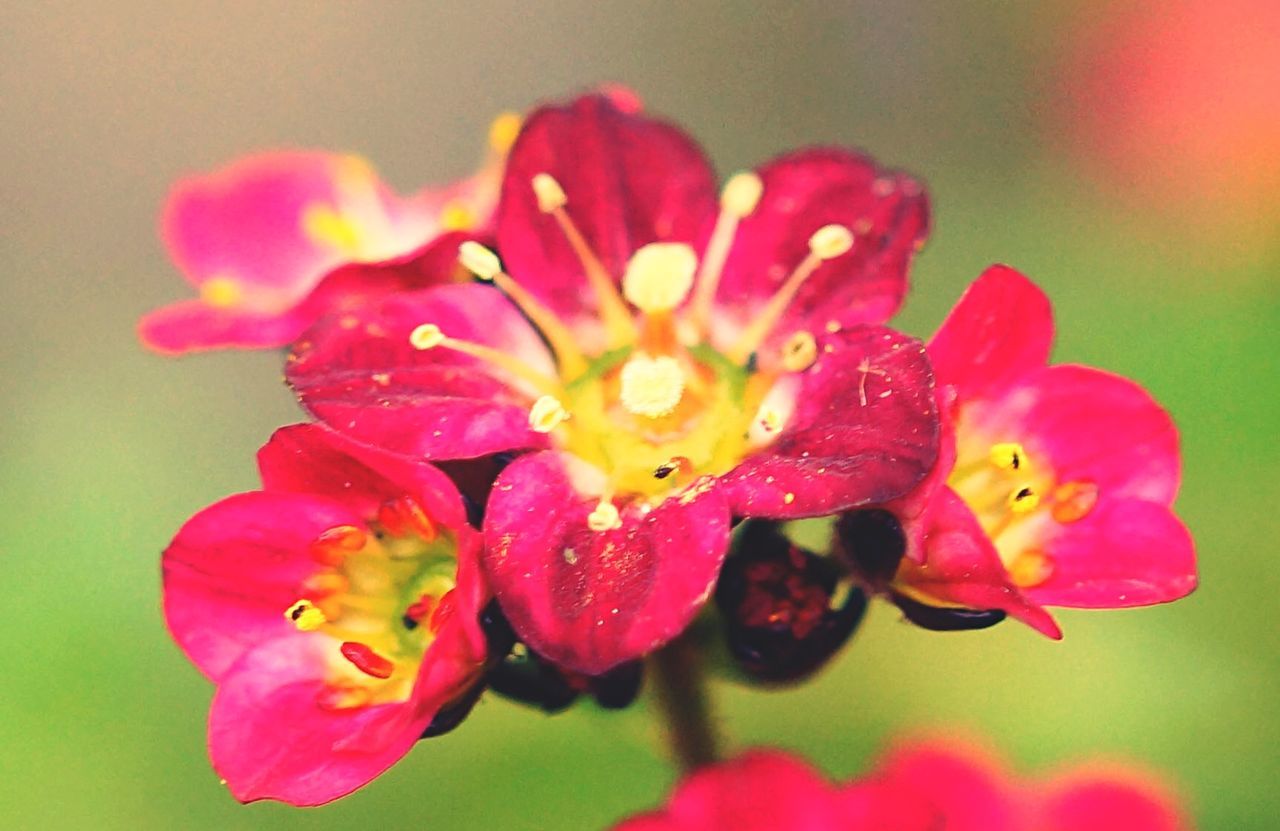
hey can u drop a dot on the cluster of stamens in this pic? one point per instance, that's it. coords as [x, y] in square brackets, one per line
[1011, 497]
[383, 593]
[654, 384]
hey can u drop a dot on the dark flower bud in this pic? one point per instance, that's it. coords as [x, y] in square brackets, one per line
[873, 542]
[945, 618]
[777, 599]
[453, 714]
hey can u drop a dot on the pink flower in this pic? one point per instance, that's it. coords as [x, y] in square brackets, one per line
[921, 786]
[1053, 486]
[664, 362]
[336, 610]
[274, 241]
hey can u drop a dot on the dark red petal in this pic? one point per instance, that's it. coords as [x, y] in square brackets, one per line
[999, 331]
[1092, 426]
[1125, 552]
[310, 458]
[854, 438]
[270, 739]
[359, 374]
[235, 567]
[803, 191]
[592, 600]
[962, 567]
[630, 180]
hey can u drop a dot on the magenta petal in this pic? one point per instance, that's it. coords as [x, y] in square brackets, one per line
[856, 437]
[1093, 426]
[235, 567]
[270, 739]
[803, 191]
[1123, 553]
[630, 180]
[193, 326]
[962, 567]
[591, 600]
[359, 374]
[1000, 330]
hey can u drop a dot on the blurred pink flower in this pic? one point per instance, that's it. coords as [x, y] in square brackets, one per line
[1054, 483]
[337, 611]
[918, 786]
[690, 360]
[265, 239]
[1175, 104]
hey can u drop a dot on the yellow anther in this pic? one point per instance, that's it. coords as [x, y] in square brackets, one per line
[479, 260]
[604, 517]
[1008, 455]
[221, 292]
[546, 414]
[741, 194]
[426, 336]
[799, 352]
[651, 387]
[1023, 500]
[830, 241]
[306, 616]
[1030, 568]
[325, 226]
[503, 131]
[1072, 501]
[456, 215]
[788, 498]
[549, 193]
[659, 276]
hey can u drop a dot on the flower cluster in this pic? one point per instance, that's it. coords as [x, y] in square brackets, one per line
[561, 406]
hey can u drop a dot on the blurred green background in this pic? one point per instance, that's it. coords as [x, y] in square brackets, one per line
[105, 449]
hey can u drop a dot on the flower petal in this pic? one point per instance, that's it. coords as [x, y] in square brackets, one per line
[864, 430]
[803, 191]
[630, 180]
[1125, 552]
[962, 567]
[962, 788]
[309, 458]
[359, 374]
[1000, 330]
[1110, 797]
[235, 568]
[270, 738]
[1092, 426]
[591, 600]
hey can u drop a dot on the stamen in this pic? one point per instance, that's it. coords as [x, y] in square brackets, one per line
[221, 292]
[334, 544]
[324, 584]
[428, 336]
[503, 131]
[412, 517]
[651, 387]
[485, 264]
[306, 616]
[546, 414]
[1029, 569]
[799, 352]
[659, 276]
[827, 242]
[617, 319]
[366, 660]
[1072, 501]
[1024, 500]
[1008, 456]
[605, 517]
[739, 198]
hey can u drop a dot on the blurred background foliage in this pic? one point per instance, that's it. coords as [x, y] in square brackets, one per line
[106, 449]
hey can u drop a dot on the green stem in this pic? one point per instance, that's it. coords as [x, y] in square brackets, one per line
[681, 689]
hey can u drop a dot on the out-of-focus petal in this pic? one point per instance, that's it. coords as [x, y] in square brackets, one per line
[591, 600]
